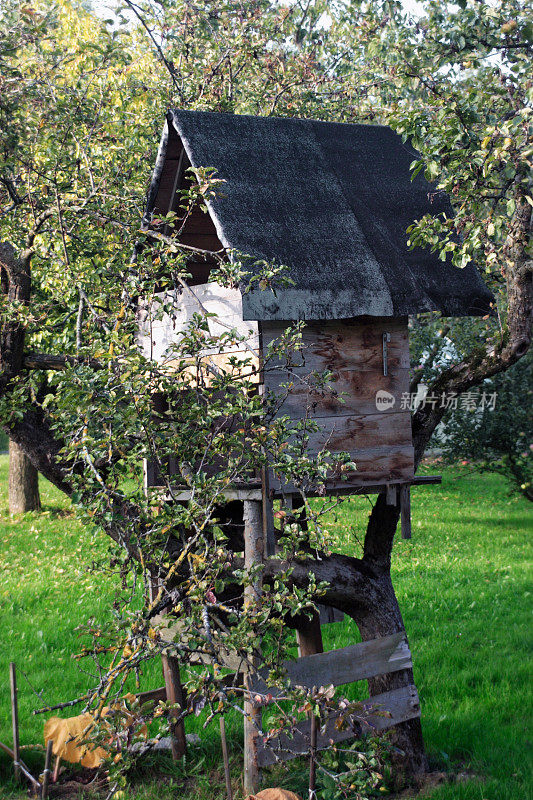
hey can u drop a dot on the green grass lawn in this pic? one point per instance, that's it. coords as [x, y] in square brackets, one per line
[463, 582]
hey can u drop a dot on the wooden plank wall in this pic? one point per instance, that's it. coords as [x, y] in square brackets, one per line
[378, 438]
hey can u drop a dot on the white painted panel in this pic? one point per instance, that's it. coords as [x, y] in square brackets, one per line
[157, 332]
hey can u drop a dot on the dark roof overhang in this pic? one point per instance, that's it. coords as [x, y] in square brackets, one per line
[332, 202]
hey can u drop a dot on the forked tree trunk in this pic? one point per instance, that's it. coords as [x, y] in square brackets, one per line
[23, 482]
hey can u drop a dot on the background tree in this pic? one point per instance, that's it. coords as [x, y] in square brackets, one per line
[83, 101]
[23, 482]
[496, 437]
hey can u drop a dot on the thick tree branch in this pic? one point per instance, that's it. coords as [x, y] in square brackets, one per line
[47, 361]
[17, 272]
[486, 362]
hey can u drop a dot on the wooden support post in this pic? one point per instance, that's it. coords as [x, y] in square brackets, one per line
[173, 689]
[308, 631]
[309, 636]
[312, 757]
[269, 531]
[405, 509]
[391, 497]
[46, 773]
[171, 673]
[225, 758]
[15, 719]
[253, 555]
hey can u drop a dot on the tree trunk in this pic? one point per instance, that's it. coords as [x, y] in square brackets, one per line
[379, 616]
[382, 617]
[23, 482]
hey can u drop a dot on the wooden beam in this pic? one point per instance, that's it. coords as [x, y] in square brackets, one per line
[48, 361]
[353, 663]
[173, 692]
[183, 495]
[46, 773]
[155, 695]
[308, 630]
[253, 491]
[328, 614]
[152, 696]
[309, 636]
[225, 758]
[422, 480]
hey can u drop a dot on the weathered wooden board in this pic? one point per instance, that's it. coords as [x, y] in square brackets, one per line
[379, 465]
[348, 392]
[362, 432]
[391, 708]
[354, 663]
[349, 345]
[362, 413]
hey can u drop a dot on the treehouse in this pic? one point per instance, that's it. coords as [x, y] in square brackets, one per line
[332, 203]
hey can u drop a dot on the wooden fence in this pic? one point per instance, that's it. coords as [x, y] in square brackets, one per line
[337, 667]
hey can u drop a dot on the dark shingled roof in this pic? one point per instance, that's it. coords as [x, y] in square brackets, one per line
[332, 202]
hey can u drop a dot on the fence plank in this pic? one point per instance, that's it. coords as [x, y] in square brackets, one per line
[382, 712]
[354, 663]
